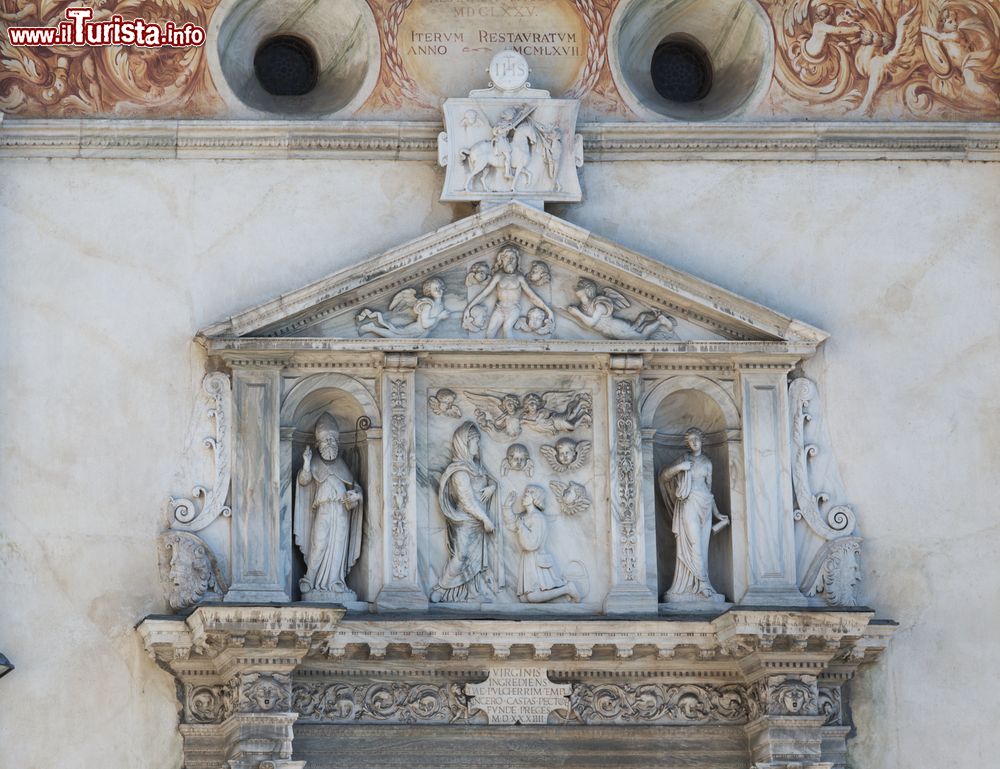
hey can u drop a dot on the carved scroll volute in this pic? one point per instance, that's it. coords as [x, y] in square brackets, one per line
[189, 570]
[185, 515]
[839, 520]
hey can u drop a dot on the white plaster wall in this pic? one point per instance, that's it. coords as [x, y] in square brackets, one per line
[110, 267]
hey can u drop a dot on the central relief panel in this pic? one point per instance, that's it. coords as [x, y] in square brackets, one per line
[514, 509]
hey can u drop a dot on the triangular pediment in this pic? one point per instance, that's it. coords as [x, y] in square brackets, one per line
[513, 275]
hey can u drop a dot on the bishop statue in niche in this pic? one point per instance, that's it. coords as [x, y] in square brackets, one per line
[328, 512]
[686, 487]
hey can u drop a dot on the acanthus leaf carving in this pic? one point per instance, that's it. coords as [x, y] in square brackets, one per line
[380, 701]
[835, 572]
[658, 703]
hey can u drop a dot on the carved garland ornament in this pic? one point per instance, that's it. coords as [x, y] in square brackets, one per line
[659, 703]
[624, 442]
[410, 703]
[403, 703]
[400, 481]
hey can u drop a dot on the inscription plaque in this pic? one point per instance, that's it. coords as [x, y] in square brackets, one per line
[446, 45]
[518, 696]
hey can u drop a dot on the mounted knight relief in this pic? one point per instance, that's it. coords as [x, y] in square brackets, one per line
[509, 441]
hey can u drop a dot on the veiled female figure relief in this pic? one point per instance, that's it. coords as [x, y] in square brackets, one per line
[466, 492]
[686, 487]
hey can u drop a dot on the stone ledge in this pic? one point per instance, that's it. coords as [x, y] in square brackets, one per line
[378, 140]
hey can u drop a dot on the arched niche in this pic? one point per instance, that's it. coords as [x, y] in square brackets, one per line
[356, 412]
[669, 409]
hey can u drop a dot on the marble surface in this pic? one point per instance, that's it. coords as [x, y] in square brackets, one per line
[887, 257]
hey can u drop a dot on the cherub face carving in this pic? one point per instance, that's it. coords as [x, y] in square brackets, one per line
[518, 460]
[567, 454]
[443, 403]
[538, 274]
[479, 273]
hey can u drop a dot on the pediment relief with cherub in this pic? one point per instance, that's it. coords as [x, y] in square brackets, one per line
[514, 275]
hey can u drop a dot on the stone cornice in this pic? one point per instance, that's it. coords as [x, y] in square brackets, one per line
[263, 139]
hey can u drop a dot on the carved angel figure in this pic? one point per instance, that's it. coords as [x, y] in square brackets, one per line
[597, 311]
[507, 288]
[328, 512]
[686, 487]
[517, 460]
[572, 496]
[425, 312]
[535, 322]
[557, 412]
[498, 413]
[567, 455]
[881, 55]
[539, 578]
[478, 274]
[443, 403]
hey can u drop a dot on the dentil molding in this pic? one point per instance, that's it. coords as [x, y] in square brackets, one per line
[388, 140]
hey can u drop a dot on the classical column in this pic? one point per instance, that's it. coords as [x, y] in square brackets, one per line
[629, 590]
[401, 585]
[262, 526]
[768, 569]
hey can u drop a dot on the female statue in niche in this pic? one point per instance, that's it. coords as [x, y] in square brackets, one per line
[328, 510]
[465, 492]
[686, 487]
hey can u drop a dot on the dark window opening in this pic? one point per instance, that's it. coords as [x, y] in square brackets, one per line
[681, 70]
[286, 66]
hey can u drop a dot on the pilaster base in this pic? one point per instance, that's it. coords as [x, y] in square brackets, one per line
[401, 599]
[779, 740]
[630, 598]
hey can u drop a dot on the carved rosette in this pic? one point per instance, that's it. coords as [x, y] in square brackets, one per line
[625, 437]
[400, 478]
